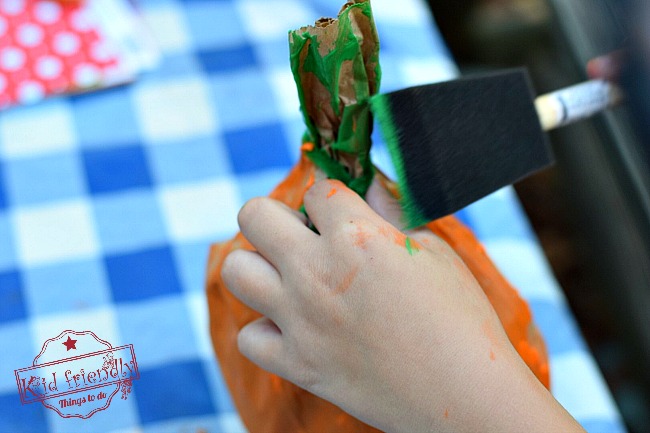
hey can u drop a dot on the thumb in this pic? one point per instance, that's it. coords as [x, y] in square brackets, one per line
[387, 206]
[382, 201]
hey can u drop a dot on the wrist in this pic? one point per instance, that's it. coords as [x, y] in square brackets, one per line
[499, 395]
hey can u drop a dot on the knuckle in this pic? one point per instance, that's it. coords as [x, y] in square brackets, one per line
[352, 225]
[255, 350]
[359, 230]
[306, 378]
[249, 343]
[231, 265]
[436, 244]
[431, 240]
[318, 189]
[310, 194]
[243, 342]
[306, 365]
[252, 208]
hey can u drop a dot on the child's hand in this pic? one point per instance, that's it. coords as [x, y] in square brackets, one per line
[390, 326]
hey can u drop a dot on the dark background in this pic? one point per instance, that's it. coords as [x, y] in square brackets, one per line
[591, 211]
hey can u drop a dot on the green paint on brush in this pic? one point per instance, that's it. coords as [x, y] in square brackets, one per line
[412, 249]
[380, 107]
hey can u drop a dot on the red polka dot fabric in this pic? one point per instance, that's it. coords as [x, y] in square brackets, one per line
[50, 47]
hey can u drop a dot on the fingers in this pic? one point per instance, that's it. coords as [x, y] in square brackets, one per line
[607, 67]
[253, 280]
[387, 206]
[273, 228]
[329, 203]
[382, 201]
[261, 342]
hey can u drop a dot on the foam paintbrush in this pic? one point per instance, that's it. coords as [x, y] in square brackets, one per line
[455, 142]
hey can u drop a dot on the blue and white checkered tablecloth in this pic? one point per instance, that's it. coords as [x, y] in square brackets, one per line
[108, 202]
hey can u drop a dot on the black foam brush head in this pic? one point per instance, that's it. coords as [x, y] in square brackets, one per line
[458, 141]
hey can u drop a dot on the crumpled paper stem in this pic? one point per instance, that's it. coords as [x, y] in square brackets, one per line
[335, 64]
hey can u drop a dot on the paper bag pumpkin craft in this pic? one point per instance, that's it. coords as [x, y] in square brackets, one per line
[336, 68]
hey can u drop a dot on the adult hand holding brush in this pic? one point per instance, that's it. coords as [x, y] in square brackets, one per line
[333, 321]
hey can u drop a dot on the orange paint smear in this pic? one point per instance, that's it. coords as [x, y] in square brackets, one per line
[412, 246]
[491, 336]
[331, 193]
[489, 333]
[390, 232]
[307, 146]
[338, 185]
[416, 244]
[384, 231]
[347, 281]
[446, 413]
[361, 237]
[400, 238]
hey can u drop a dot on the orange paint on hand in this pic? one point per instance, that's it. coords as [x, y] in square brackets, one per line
[384, 231]
[338, 185]
[489, 333]
[360, 237]
[412, 245]
[347, 281]
[391, 232]
[492, 338]
[332, 192]
[400, 239]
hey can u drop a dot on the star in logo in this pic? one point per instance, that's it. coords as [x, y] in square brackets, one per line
[70, 344]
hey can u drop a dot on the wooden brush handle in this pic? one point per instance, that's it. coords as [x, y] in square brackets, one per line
[577, 102]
